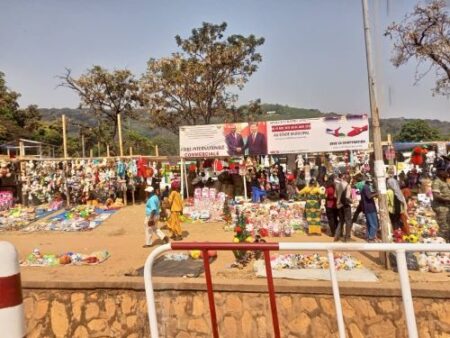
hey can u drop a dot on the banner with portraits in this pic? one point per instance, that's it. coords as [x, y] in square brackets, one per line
[337, 133]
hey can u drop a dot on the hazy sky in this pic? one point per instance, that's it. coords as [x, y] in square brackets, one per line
[313, 56]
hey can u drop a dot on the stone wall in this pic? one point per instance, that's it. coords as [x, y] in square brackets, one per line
[183, 314]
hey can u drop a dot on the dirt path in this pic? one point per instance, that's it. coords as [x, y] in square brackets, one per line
[123, 236]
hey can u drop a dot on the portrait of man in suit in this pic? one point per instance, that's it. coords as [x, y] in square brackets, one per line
[256, 141]
[235, 142]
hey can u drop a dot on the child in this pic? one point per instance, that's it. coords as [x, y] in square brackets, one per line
[152, 218]
[176, 209]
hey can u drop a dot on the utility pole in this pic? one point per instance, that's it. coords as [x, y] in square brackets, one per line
[380, 176]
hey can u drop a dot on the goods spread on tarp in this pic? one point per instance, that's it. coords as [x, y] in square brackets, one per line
[36, 258]
[80, 218]
[18, 217]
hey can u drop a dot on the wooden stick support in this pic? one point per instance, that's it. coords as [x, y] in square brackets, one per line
[83, 147]
[131, 151]
[64, 135]
[98, 149]
[156, 150]
[91, 153]
[119, 126]
[107, 150]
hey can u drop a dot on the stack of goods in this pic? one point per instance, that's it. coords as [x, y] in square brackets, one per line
[19, 217]
[313, 197]
[6, 200]
[273, 219]
[434, 261]
[207, 205]
[313, 261]
[427, 261]
[87, 180]
[69, 258]
[80, 218]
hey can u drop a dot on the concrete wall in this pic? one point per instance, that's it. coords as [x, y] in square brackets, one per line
[123, 313]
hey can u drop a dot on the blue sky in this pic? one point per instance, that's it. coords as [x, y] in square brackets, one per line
[313, 56]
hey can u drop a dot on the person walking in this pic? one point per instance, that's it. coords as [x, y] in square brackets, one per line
[441, 202]
[176, 209]
[344, 207]
[370, 210]
[152, 207]
[330, 205]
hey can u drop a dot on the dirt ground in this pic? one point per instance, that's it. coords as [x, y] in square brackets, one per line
[123, 236]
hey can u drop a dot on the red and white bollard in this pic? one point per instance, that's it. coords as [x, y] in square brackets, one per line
[12, 319]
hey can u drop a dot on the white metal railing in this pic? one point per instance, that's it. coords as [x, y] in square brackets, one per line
[399, 249]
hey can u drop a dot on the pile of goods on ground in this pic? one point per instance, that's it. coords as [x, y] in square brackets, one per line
[36, 258]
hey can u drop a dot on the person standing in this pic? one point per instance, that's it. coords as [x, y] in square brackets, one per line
[235, 142]
[344, 207]
[256, 141]
[151, 218]
[330, 205]
[370, 210]
[441, 202]
[176, 209]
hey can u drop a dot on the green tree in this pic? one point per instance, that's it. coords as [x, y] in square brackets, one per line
[417, 131]
[28, 118]
[424, 35]
[106, 94]
[193, 86]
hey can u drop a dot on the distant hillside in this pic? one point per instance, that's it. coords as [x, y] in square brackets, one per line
[276, 112]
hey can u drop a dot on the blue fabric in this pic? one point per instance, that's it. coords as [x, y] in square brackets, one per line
[152, 205]
[368, 202]
[257, 194]
[372, 225]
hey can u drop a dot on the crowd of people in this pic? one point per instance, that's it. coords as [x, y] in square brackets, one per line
[274, 184]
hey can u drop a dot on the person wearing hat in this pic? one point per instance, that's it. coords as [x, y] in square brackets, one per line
[441, 202]
[152, 218]
[176, 209]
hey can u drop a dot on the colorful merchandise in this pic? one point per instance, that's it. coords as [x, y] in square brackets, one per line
[36, 258]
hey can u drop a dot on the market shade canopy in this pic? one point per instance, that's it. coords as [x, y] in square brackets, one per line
[336, 133]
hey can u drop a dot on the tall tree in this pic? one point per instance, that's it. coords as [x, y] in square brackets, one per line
[106, 94]
[424, 35]
[8, 99]
[417, 131]
[193, 86]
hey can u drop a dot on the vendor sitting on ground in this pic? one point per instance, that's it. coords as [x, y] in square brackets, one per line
[258, 188]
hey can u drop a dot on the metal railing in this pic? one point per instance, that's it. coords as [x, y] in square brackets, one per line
[399, 249]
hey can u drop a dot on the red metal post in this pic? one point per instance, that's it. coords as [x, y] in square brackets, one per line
[212, 306]
[273, 302]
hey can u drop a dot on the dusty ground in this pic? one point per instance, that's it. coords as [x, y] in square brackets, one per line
[123, 236]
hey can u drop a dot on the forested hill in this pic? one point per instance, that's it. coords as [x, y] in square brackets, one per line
[271, 112]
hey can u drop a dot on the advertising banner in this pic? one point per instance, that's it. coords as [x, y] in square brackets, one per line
[275, 137]
[318, 135]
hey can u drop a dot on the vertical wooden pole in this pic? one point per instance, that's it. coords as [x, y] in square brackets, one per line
[107, 150]
[156, 150]
[21, 149]
[91, 153]
[119, 126]
[8, 152]
[182, 179]
[385, 222]
[98, 149]
[64, 135]
[83, 146]
[131, 151]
